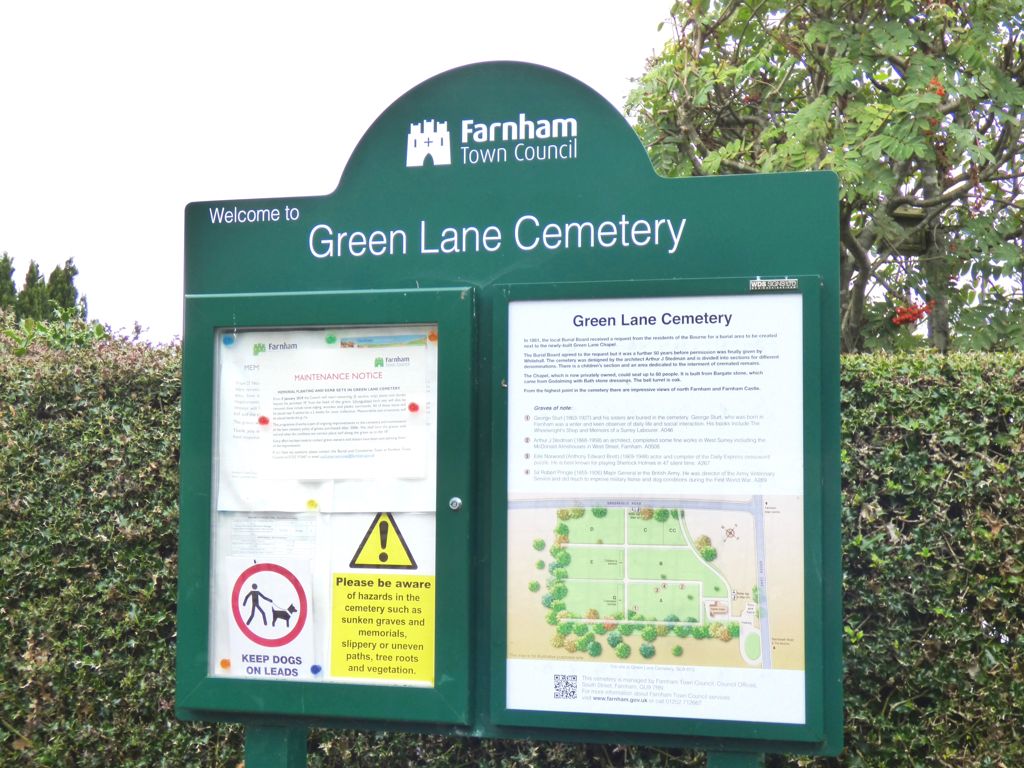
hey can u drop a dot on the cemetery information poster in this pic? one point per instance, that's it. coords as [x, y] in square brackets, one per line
[655, 494]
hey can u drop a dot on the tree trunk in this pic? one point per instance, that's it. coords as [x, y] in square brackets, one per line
[854, 272]
[935, 268]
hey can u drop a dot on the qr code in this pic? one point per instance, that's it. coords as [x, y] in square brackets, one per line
[565, 686]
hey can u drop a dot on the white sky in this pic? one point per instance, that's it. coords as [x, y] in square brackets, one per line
[115, 115]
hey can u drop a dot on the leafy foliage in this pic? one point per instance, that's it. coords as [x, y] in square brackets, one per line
[934, 559]
[917, 107]
[38, 298]
[60, 287]
[8, 292]
[32, 300]
[66, 330]
[934, 567]
[88, 516]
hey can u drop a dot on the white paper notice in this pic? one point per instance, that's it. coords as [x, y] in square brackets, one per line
[316, 419]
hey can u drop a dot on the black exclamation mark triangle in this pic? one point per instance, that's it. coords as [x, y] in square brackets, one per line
[383, 546]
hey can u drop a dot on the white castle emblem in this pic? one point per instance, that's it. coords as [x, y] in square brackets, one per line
[428, 138]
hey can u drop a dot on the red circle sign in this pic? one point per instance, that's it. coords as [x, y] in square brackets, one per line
[299, 623]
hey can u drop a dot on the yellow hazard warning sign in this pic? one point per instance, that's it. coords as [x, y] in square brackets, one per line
[383, 628]
[383, 546]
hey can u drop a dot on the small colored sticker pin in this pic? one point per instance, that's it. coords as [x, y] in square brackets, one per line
[263, 420]
[315, 669]
[228, 340]
[225, 663]
[414, 407]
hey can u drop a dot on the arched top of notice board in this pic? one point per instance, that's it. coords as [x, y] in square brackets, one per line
[507, 123]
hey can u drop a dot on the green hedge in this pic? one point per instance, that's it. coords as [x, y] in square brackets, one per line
[934, 562]
[933, 482]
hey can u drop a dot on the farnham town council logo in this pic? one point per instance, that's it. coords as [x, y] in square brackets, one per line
[522, 139]
[428, 139]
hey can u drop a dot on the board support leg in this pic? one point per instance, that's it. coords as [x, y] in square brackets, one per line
[275, 746]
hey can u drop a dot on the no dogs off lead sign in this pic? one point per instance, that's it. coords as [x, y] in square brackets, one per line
[270, 610]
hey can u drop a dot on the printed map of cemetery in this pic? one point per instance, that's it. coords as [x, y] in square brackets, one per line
[688, 581]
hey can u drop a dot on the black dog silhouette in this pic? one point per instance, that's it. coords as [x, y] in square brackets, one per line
[285, 616]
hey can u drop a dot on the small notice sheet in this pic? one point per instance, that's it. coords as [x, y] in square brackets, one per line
[298, 409]
[382, 599]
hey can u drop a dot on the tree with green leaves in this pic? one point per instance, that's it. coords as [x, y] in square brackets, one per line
[32, 301]
[917, 106]
[60, 288]
[38, 298]
[8, 291]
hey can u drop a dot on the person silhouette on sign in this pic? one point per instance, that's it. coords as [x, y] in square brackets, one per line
[255, 596]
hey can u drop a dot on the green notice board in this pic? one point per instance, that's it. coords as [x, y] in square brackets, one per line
[509, 436]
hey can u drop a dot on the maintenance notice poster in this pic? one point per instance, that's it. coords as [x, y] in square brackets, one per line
[655, 494]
